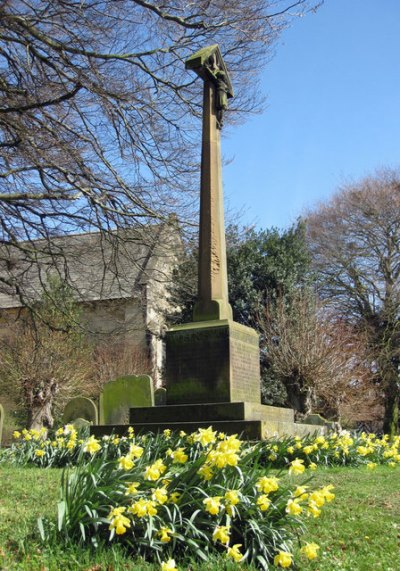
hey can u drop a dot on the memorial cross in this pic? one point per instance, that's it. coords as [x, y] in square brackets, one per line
[213, 278]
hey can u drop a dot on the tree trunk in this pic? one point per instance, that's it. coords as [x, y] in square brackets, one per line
[391, 419]
[299, 398]
[40, 401]
[40, 416]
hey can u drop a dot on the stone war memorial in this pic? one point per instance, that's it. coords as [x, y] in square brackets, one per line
[213, 363]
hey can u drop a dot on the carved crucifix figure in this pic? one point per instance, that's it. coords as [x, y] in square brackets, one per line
[220, 78]
[213, 280]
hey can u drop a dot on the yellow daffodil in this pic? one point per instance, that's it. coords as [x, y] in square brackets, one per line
[232, 497]
[132, 489]
[221, 533]
[154, 471]
[205, 472]
[160, 495]
[91, 445]
[297, 466]
[221, 459]
[169, 565]
[310, 550]
[283, 559]
[118, 521]
[263, 502]
[318, 498]
[267, 484]
[234, 552]
[213, 504]
[143, 508]
[165, 534]
[301, 492]
[71, 444]
[327, 493]
[126, 463]
[364, 450]
[174, 497]
[135, 451]
[313, 509]
[293, 507]
[205, 436]
[179, 456]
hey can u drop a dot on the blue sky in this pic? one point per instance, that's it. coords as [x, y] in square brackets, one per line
[332, 116]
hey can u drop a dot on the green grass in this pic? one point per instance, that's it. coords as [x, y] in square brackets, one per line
[359, 531]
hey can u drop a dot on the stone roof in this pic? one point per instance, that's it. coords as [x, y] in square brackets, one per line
[97, 266]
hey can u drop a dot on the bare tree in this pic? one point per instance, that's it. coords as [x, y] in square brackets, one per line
[99, 119]
[355, 243]
[44, 364]
[116, 359]
[319, 358]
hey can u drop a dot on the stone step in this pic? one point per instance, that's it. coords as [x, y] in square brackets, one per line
[246, 429]
[210, 412]
[249, 429]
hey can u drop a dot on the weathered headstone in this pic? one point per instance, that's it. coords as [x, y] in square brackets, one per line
[318, 420]
[80, 407]
[82, 425]
[119, 396]
[1, 421]
[212, 359]
[160, 396]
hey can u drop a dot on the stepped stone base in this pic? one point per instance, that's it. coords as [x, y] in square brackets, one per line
[251, 420]
[210, 412]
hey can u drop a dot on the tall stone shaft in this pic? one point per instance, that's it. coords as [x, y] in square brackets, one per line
[213, 278]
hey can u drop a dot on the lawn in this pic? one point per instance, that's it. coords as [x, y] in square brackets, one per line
[359, 531]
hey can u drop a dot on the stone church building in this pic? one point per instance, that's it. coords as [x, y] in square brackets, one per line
[120, 281]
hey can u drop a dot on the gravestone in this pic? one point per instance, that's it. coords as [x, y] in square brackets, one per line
[118, 396]
[80, 407]
[318, 420]
[160, 396]
[1, 421]
[82, 425]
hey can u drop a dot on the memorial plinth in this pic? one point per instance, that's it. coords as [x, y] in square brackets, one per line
[212, 361]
